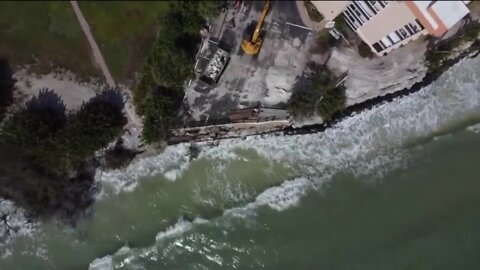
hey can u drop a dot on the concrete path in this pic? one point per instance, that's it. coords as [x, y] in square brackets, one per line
[133, 119]
[96, 51]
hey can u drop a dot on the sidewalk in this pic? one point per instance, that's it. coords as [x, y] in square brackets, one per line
[97, 55]
[133, 119]
[315, 26]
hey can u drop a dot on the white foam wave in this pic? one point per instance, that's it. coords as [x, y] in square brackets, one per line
[359, 143]
[171, 162]
[129, 254]
[366, 142]
[104, 263]
[282, 197]
[474, 128]
[180, 227]
[15, 224]
[278, 198]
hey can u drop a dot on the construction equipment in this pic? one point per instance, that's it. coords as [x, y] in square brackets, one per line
[253, 45]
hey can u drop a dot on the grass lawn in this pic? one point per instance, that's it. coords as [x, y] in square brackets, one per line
[45, 34]
[125, 32]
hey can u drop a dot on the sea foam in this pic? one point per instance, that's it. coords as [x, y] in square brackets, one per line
[358, 143]
[367, 142]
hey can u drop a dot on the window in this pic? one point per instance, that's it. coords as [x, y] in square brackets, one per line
[351, 10]
[399, 35]
[419, 24]
[382, 44]
[364, 9]
[409, 30]
[414, 28]
[390, 39]
[371, 7]
[377, 47]
[375, 5]
[350, 22]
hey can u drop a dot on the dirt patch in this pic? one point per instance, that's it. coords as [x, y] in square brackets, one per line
[66, 84]
[368, 78]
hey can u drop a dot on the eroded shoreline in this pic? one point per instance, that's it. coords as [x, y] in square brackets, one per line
[430, 77]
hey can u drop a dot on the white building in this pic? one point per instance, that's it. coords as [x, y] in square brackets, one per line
[387, 25]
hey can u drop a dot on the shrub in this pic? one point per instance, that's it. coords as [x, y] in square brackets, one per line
[341, 24]
[364, 50]
[58, 143]
[160, 90]
[312, 11]
[41, 146]
[435, 56]
[7, 86]
[322, 97]
[325, 41]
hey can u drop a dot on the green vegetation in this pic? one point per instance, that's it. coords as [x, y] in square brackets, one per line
[312, 11]
[437, 55]
[42, 146]
[45, 35]
[160, 91]
[364, 50]
[118, 156]
[7, 84]
[341, 24]
[125, 32]
[325, 42]
[321, 97]
[57, 142]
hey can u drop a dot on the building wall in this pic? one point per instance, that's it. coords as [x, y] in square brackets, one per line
[438, 16]
[387, 25]
[402, 43]
[330, 9]
[391, 18]
[383, 25]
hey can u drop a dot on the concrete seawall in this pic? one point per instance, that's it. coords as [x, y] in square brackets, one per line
[285, 129]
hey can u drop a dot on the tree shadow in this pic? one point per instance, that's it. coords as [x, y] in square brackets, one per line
[50, 104]
[46, 99]
[110, 96]
[172, 97]
[119, 156]
[7, 85]
[188, 43]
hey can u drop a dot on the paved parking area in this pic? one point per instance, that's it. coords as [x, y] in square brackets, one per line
[266, 78]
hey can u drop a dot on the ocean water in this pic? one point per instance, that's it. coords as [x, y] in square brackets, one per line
[394, 187]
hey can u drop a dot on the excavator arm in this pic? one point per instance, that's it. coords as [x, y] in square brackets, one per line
[253, 45]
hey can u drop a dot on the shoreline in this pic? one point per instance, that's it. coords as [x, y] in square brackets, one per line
[368, 104]
[430, 77]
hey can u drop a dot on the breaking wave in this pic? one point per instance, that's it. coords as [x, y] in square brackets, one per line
[370, 142]
[474, 128]
[15, 223]
[171, 162]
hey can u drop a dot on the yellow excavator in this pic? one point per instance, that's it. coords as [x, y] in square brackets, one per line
[253, 45]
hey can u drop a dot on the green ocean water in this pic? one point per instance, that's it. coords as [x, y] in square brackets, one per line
[395, 187]
[425, 217]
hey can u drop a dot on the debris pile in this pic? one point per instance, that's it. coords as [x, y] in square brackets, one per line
[216, 65]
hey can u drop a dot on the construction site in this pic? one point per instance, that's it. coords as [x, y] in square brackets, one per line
[249, 59]
[229, 78]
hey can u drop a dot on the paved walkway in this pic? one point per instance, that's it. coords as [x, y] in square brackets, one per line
[96, 51]
[133, 119]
